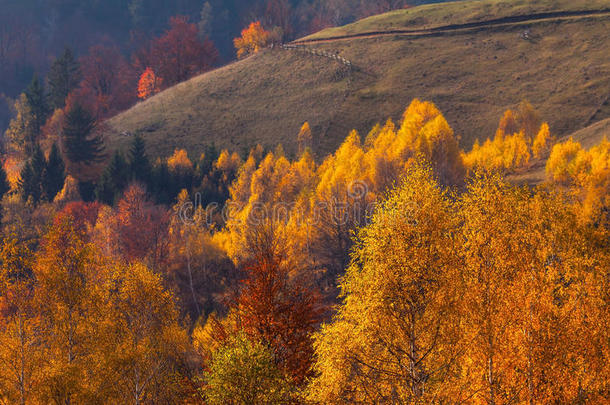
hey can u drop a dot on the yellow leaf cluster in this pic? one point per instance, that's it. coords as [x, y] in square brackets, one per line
[518, 137]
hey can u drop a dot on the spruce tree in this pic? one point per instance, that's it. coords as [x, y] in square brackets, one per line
[206, 164]
[113, 180]
[63, 77]
[5, 186]
[37, 167]
[37, 100]
[30, 183]
[54, 175]
[80, 144]
[27, 183]
[162, 184]
[139, 165]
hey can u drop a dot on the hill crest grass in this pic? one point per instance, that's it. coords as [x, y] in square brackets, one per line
[473, 77]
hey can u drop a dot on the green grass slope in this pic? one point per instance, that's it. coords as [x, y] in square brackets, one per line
[473, 75]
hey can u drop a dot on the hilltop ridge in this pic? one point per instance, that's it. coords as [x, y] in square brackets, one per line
[559, 64]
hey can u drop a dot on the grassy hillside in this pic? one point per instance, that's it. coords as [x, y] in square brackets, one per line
[472, 75]
[457, 12]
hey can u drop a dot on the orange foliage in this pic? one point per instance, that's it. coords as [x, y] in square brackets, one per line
[107, 81]
[587, 173]
[83, 215]
[141, 227]
[13, 167]
[179, 161]
[178, 54]
[304, 138]
[149, 84]
[252, 40]
[519, 137]
[277, 310]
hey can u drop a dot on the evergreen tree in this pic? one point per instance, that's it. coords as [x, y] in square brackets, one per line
[37, 100]
[26, 181]
[86, 189]
[139, 165]
[206, 163]
[54, 175]
[30, 183]
[5, 186]
[63, 77]
[113, 180]
[81, 145]
[161, 184]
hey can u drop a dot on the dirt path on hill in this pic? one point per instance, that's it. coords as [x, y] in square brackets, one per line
[453, 28]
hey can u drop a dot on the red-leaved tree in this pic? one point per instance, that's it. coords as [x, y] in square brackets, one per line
[141, 227]
[108, 81]
[276, 309]
[178, 54]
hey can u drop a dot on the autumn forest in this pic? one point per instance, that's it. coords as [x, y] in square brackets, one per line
[405, 267]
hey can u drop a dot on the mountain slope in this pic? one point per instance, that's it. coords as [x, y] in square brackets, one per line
[473, 75]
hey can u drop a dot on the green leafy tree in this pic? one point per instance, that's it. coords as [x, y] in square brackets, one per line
[63, 77]
[81, 145]
[244, 372]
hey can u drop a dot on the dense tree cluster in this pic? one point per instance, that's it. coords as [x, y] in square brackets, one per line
[494, 297]
[389, 272]
[587, 172]
[520, 137]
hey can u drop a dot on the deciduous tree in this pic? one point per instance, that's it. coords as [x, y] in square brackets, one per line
[21, 353]
[178, 54]
[275, 309]
[253, 39]
[67, 270]
[149, 84]
[244, 371]
[396, 337]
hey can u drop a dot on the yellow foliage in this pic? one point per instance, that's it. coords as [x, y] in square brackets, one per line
[566, 161]
[228, 162]
[588, 173]
[319, 207]
[513, 144]
[179, 161]
[70, 191]
[542, 142]
[304, 138]
[252, 40]
[397, 287]
[500, 294]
